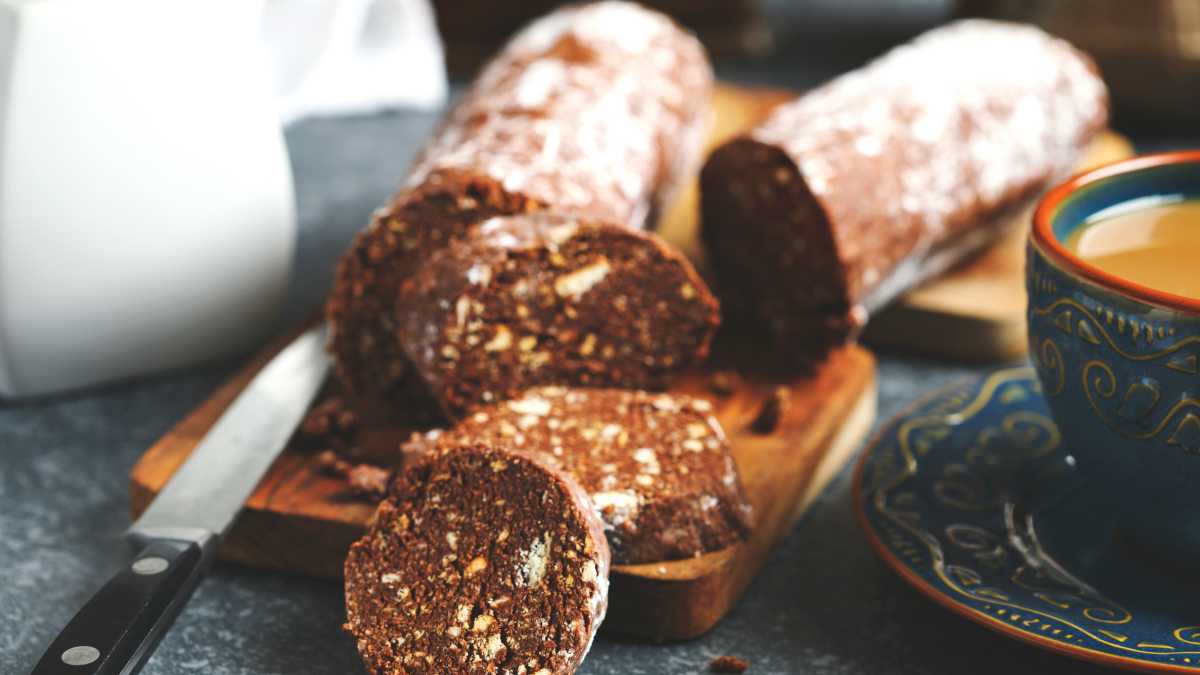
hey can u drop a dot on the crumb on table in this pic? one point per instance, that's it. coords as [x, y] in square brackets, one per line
[773, 410]
[729, 664]
[365, 480]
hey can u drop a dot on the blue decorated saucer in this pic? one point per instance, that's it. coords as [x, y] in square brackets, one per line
[971, 497]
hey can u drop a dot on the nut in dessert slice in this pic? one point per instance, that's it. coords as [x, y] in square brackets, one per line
[657, 466]
[545, 299]
[481, 561]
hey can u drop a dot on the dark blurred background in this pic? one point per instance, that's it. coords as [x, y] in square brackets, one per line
[1147, 50]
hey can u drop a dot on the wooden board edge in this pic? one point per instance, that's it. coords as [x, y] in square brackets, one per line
[263, 538]
[686, 608]
[843, 447]
[965, 338]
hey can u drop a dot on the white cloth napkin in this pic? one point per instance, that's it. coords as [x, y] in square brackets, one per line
[342, 57]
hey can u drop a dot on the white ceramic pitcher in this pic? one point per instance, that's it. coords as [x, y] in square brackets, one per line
[147, 215]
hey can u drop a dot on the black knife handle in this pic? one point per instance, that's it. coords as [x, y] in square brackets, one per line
[117, 630]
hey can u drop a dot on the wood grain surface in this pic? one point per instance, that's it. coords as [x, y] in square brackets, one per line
[976, 312]
[302, 520]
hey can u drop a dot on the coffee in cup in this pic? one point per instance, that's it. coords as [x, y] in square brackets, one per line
[1116, 347]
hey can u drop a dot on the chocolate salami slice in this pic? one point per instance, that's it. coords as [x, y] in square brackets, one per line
[657, 466]
[597, 109]
[480, 561]
[891, 174]
[544, 299]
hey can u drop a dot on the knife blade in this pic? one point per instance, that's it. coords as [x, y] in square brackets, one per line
[176, 538]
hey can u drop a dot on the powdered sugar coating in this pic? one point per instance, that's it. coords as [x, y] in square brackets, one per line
[966, 117]
[597, 108]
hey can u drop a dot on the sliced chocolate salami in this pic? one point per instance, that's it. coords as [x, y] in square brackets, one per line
[599, 109]
[543, 299]
[657, 466]
[480, 561]
[891, 174]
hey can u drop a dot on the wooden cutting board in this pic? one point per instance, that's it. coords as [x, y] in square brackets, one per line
[976, 312]
[302, 520]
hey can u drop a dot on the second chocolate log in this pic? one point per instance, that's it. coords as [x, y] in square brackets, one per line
[598, 109]
[542, 299]
[889, 175]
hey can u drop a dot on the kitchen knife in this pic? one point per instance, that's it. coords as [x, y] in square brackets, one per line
[176, 537]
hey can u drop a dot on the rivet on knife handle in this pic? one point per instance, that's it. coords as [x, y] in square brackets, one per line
[118, 629]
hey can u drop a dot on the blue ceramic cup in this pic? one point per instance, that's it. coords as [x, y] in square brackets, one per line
[1118, 361]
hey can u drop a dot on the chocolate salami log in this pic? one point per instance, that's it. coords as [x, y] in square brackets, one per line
[596, 109]
[891, 174]
[658, 467]
[543, 299]
[480, 561]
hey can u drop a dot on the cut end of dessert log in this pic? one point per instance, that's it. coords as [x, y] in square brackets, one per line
[367, 357]
[866, 186]
[570, 115]
[658, 467]
[544, 299]
[773, 248]
[480, 561]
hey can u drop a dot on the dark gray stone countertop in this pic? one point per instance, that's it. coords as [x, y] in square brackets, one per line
[824, 603]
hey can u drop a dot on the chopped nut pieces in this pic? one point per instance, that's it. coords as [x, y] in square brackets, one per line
[729, 664]
[417, 445]
[605, 314]
[571, 116]
[657, 467]
[470, 569]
